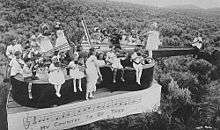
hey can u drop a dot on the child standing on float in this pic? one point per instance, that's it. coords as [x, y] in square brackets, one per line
[44, 39]
[75, 72]
[92, 73]
[56, 75]
[153, 40]
[61, 40]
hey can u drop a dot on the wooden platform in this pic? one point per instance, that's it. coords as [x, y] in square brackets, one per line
[105, 105]
[13, 107]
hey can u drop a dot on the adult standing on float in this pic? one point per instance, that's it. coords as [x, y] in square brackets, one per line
[61, 40]
[153, 40]
[45, 39]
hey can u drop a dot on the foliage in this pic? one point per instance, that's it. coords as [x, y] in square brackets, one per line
[185, 81]
[177, 27]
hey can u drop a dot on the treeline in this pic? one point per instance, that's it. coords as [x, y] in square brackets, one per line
[177, 27]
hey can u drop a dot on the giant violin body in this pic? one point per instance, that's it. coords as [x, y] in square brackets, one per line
[43, 93]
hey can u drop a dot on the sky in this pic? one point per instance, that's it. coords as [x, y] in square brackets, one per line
[161, 3]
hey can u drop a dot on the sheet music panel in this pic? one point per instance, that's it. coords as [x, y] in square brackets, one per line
[76, 114]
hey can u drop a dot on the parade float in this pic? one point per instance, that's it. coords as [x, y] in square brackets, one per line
[32, 104]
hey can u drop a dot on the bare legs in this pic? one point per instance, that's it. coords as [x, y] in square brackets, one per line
[115, 74]
[57, 88]
[90, 88]
[150, 53]
[138, 75]
[74, 85]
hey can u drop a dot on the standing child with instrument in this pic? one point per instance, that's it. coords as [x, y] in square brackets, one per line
[153, 40]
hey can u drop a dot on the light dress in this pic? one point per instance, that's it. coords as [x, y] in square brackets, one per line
[75, 72]
[197, 42]
[16, 68]
[45, 44]
[137, 61]
[61, 38]
[112, 58]
[117, 63]
[91, 73]
[153, 41]
[18, 47]
[27, 72]
[56, 75]
[100, 63]
[33, 41]
[123, 40]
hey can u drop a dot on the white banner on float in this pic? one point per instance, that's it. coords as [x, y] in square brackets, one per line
[76, 114]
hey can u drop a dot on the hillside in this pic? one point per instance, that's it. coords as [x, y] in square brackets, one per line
[177, 26]
[183, 105]
[186, 6]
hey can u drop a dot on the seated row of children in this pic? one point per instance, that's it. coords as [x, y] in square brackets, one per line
[81, 67]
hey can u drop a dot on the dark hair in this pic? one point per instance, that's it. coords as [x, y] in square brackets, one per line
[111, 46]
[56, 53]
[98, 56]
[27, 60]
[78, 48]
[91, 50]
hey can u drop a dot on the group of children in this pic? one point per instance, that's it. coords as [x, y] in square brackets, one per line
[24, 62]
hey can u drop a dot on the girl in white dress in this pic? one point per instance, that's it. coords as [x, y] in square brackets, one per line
[75, 72]
[56, 75]
[138, 65]
[44, 40]
[153, 40]
[92, 73]
[61, 38]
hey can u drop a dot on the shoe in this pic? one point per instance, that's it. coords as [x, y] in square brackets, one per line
[58, 94]
[91, 96]
[122, 79]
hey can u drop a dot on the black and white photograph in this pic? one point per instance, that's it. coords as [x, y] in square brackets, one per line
[109, 64]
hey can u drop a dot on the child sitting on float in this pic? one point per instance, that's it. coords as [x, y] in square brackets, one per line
[17, 65]
[56, 75]
[138, 62]
[113, 59]
[75, 72]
